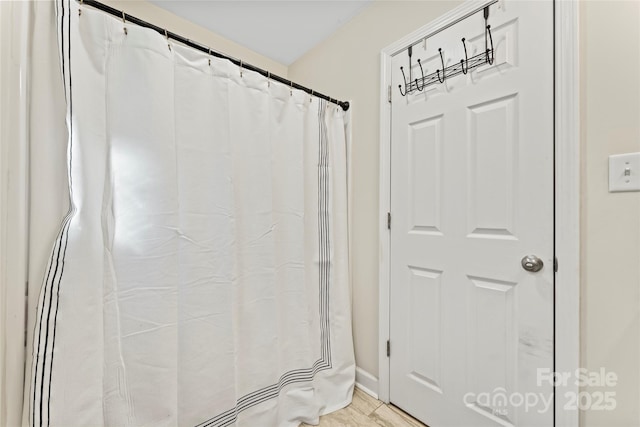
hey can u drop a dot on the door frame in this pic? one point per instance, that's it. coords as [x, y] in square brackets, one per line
[567, 191]
[14, 204]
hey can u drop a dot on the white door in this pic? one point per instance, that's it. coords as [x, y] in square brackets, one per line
[471, 195]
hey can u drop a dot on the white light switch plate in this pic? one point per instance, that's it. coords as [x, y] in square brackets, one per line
[624, 172]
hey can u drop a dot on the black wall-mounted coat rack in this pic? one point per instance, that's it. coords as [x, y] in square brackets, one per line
[441, 74]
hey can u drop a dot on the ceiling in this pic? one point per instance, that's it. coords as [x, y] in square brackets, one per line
[280, 30]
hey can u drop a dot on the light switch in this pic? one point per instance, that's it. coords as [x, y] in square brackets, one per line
[624, 172]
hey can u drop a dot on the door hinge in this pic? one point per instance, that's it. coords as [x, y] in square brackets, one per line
[555, 264]
[388, 348]
[389, 220]
[389, 94]
[26, 312]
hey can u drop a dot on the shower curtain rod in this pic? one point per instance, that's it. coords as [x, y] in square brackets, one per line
[122, 15]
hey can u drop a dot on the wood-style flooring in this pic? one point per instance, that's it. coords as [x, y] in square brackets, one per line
[365, 411]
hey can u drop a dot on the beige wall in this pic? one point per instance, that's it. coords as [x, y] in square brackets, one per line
[610, 291]
[150, 12]
[347, 66]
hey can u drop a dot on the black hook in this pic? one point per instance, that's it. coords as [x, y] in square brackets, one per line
[464, 62]
[486, 46]
[438, 71]
[421, 72]
[410, 50]
[407, 88]
[405, 83]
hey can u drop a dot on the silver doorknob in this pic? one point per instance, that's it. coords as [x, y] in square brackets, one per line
[532, 263]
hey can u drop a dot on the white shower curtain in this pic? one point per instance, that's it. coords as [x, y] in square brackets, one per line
[201, 277]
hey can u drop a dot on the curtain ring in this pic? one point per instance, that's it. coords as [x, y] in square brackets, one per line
[124, 23]
[167, 36]
[311, 97]
[290, 88]
[268, 78]
[241, 68]
[209, 57]
[80, 8]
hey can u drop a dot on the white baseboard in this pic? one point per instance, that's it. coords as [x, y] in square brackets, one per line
[366, 382]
